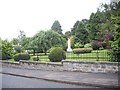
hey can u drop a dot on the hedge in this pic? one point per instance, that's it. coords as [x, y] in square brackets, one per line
[82, 50]
[21, 56]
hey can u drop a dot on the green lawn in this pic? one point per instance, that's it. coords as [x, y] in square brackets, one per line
[100, 55]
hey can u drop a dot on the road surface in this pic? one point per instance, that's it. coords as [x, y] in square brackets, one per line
[9, 81]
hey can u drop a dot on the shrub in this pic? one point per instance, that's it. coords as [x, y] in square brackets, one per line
[35, 58]
[82, 50]
[57, 54]
[114, 56]
[4, 56]
[104, 44]
[78, 45]
[96, 45]
[21, 56]
[88, 45]
[50, 49]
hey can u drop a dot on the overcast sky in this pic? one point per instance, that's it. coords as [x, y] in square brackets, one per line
[32, 16]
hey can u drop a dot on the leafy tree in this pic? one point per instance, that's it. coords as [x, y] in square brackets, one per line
[57, 27]
[81, 34]
[73, 30]
[46, 39]
[67, 34]
[17, 49]
[72, 41]
[25, 43]
[7, 48]
[116, 43]
[21, 36]
[15, 41]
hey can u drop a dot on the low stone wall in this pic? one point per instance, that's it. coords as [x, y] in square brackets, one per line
[82, 66]
[66, 65]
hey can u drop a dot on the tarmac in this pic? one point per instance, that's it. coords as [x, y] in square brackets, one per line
[102, 80]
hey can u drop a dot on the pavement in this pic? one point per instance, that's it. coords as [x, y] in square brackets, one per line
[102, 80]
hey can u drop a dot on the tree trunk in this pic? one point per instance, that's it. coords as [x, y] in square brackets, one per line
[34, 52]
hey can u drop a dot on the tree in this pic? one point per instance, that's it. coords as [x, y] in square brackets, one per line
[25, 43]
[73, 30]
[44, 40]
[116, 43]
[57, 27]
[7, 49]
[15, 41]
[67, 34]
[21, 36]
[80, 32]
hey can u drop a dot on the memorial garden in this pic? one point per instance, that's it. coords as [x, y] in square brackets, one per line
[93, 39]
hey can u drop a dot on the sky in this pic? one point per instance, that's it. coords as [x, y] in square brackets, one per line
[31, 16]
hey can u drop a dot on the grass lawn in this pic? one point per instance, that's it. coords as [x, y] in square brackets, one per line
[100, 55]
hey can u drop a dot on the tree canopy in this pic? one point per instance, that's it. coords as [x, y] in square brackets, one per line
[57, 27]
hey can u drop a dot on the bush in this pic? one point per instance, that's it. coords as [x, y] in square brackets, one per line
[104, 44]
[115, 56]
[88, 45]
[78, 45]
[21, 56]
[4, 56]
[96, 45]
[57, 54]
[82, 50]
[35, 58]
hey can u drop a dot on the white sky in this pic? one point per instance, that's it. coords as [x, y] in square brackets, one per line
[32, 16]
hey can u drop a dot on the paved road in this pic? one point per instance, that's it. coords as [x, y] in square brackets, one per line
[9, 81]
[90, 79]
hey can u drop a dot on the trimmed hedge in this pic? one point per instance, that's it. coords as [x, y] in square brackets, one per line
[35, 58]
[21, 56]
[82, 50]
[57, 54]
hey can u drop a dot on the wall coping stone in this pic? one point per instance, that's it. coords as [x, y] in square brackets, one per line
[90, 62]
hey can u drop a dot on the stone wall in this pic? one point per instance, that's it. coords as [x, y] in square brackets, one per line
[66, 65]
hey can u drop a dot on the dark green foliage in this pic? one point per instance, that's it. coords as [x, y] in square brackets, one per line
[35, 58]
[79, 31]
[57, 54]
[44, 40]
[115, 56]
[6, 49]
[78, 45]
[17, 49]
[3, 56]
[21, 56]
[82, 50]
[57, 27]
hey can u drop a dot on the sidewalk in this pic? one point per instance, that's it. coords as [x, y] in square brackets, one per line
[91, 79]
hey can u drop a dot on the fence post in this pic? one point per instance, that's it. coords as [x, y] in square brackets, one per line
[97, 53]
